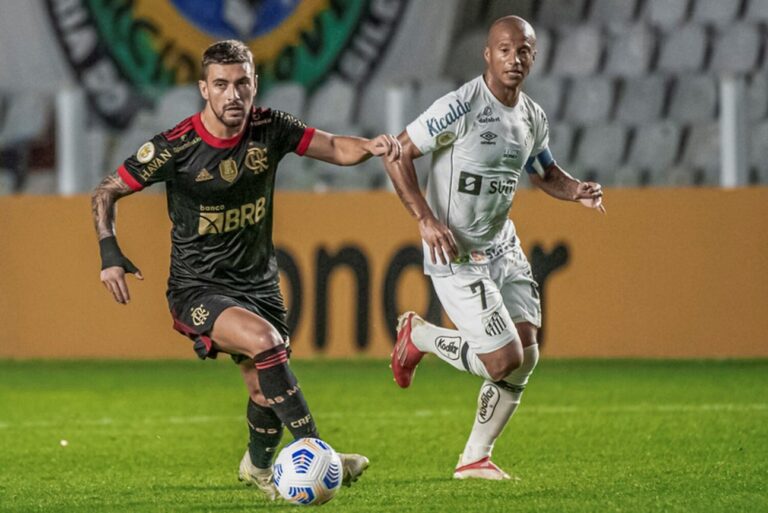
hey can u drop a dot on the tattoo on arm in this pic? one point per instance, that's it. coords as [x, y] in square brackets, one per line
[103, 201]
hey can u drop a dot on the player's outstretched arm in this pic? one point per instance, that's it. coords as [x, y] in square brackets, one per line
[114, 264]
[559, 184]
[347, 150]
[402, 173]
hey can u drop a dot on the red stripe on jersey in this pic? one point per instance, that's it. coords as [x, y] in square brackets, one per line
[301, 148]
[212, 140]
[129, 180]
[179, 130]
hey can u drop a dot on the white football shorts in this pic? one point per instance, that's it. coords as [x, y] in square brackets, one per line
[485, 300]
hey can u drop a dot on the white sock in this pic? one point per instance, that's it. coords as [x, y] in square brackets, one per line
[495, 405]
[448, 345]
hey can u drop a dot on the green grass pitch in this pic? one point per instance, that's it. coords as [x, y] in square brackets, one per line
[623, 436]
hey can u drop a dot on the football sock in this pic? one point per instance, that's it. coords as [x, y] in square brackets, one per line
[281, 389]
[448, 345]
[495, 405]
[265, 431]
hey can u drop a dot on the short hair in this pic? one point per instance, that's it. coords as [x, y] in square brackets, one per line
[230, 51]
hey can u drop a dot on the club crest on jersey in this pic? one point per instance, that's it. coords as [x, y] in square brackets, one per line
[256, 159]
[146, 152]
[228, 170]
[494, 324]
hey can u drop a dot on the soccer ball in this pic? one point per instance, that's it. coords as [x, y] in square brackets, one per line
[307, 471]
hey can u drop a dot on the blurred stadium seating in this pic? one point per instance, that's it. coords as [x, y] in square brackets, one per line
[631, 89]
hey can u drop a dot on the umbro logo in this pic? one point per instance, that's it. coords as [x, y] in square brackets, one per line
[488, 137]
[203, 176]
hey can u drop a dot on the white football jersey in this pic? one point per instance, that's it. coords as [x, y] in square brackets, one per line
[479, 149]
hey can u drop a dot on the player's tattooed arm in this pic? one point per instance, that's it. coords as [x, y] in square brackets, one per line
[114, 264]
[103, 200]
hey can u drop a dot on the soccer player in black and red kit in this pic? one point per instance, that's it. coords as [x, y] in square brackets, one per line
[219, 169]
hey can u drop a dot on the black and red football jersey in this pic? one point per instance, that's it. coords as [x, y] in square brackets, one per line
[220, 194]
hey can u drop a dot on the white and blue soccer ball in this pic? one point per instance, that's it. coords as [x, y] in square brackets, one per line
[307, 471]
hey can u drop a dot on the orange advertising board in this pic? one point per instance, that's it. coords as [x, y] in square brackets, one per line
[666, 273]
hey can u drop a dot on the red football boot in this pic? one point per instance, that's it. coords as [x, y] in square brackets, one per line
[405, 356]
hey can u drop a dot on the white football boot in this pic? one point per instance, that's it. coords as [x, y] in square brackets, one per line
[354, 465]
[260, 477]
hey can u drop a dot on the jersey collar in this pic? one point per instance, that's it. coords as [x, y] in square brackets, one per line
[212, 140]
[496, 102]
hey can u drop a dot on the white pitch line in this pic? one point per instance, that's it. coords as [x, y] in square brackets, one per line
[533, 409]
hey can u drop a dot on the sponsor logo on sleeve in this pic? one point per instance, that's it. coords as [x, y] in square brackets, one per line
[455, 112]
[446, 138]
[149, 170]
[146, 152]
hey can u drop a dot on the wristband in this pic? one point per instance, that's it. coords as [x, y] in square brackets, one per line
[111, 256]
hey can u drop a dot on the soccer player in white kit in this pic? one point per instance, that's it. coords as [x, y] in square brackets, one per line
[483, 137]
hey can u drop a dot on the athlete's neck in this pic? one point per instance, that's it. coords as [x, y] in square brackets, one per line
[215, 127]
[506, 95]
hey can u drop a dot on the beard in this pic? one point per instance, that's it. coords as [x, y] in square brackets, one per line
[226, 116]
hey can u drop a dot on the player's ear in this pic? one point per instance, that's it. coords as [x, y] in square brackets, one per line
[203, 86]
[255, 84]
[487, 55]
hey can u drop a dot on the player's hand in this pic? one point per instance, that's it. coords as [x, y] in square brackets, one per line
[440, 240]
[590, 194]
[387, 146]
[113, 279]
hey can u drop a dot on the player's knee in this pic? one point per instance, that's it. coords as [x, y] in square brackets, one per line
[260, 340]
[506, 362]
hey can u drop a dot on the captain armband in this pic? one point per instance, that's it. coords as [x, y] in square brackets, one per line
[539, 163]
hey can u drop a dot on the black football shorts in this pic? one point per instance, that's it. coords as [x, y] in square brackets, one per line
[195, 311]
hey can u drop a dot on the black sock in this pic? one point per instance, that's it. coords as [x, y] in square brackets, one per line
[280, 388]
[265, 431]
